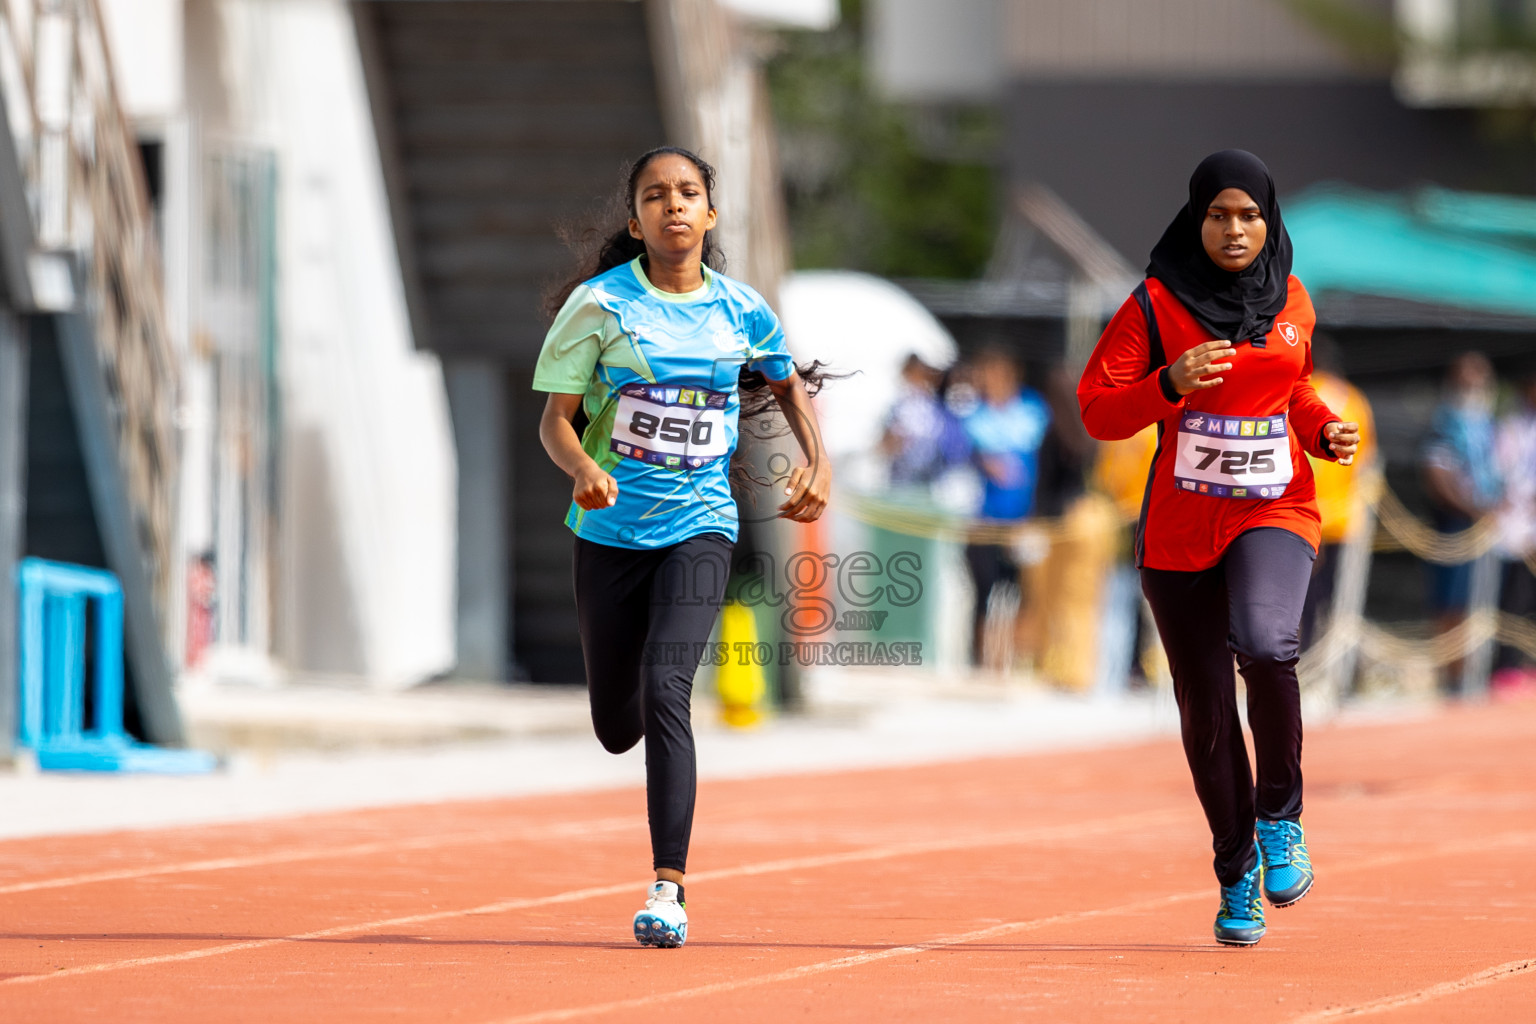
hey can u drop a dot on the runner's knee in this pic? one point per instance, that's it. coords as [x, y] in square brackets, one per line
[668, 692]
[617, 735]
[1268, 650]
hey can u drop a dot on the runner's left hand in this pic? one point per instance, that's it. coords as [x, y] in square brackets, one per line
[1344, 439]
[807, 488]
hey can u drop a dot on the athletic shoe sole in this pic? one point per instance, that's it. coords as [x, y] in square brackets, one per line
[1294, 899]
[1240, 942]
[653, 930]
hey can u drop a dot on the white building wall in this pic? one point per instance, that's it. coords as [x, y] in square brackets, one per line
[959, 50]
[145, 38]
[370, 409]
[365, 539]
[923, 51]
[811, 14]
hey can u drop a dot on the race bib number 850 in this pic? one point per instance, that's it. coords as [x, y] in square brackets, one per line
[1233, 456]
[681, 428]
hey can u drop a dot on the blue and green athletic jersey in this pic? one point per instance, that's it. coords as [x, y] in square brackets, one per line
[657, 372]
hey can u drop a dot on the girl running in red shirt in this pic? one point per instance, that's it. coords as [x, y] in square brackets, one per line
[1215, 348]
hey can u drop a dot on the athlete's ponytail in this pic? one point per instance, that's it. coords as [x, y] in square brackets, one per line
[757, 420]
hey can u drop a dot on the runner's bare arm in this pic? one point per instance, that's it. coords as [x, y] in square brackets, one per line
[593, 489]
[809, 486]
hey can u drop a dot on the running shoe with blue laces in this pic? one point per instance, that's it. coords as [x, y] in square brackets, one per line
[1240, 918]
[1287, 865]
[664, 921]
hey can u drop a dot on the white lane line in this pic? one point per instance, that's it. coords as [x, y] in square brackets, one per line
[1015, 837]
[1503, 972]
[561, 831]
[792, 864]
[1045, 833]
[857, 960]
[339, 931]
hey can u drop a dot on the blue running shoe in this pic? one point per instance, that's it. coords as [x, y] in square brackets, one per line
[663, 922]
[1240, 918]
[1287, 865]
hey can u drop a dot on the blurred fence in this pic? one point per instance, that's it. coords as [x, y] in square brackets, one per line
[1349, 642]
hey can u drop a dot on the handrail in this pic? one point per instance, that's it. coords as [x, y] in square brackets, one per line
[91, 250]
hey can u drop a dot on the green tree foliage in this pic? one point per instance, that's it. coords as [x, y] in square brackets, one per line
[873, 186]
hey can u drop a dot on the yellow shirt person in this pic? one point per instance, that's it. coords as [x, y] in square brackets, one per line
[1339, 499]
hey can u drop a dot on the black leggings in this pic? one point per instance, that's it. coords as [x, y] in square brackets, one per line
[643, 616]
[1247, 605]
[990, 565]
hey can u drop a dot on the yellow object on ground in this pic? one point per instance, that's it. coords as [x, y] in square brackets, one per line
[741, 682]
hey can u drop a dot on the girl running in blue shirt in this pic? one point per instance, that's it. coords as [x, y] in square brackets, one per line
[656, 347]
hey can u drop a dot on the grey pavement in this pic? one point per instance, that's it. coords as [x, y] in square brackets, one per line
[308, 748]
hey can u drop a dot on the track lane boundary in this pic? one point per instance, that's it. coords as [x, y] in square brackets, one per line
[290, 856]
[1014, 837]
[1503, 972]
[1010, 838]
[844, 963]
[857, 960]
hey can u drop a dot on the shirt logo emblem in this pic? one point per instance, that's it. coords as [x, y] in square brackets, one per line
[727, 340]
[1289, 332]
[1194, 422]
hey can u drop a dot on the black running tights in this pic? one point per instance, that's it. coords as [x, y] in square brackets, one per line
[1247, 605]
[644, 615]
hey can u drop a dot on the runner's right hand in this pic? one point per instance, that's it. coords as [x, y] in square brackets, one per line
[1185, 372]
[594, 489]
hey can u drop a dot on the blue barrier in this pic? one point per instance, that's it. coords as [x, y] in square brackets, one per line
[55, 603]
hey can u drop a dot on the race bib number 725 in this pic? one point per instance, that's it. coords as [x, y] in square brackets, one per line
[1233, 456]
[681, 428]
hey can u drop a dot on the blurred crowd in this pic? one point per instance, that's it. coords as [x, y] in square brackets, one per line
[1051, 511]
[1478, 463]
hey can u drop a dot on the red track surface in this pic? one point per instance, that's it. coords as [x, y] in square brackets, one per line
[1062, 887]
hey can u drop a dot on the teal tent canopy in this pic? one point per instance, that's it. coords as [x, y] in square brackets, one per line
[1434, 246]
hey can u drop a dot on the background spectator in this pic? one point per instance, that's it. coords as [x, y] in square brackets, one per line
[1059, 623]
[1460, 479]
[1340, 500]
[922, 437]
[1005, 431]
[1515, 457]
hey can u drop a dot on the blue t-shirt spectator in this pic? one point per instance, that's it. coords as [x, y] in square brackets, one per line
[926, 437]
[1460, 440]
[1006, 439]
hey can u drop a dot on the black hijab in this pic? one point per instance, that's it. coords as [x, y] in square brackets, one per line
[1241, 306]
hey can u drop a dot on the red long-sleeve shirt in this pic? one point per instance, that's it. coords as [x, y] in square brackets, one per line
[1194, 511]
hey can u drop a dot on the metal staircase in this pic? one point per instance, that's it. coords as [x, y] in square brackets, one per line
[80, 270]
[499, 124]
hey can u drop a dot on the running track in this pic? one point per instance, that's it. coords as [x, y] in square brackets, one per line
[1061, 887]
